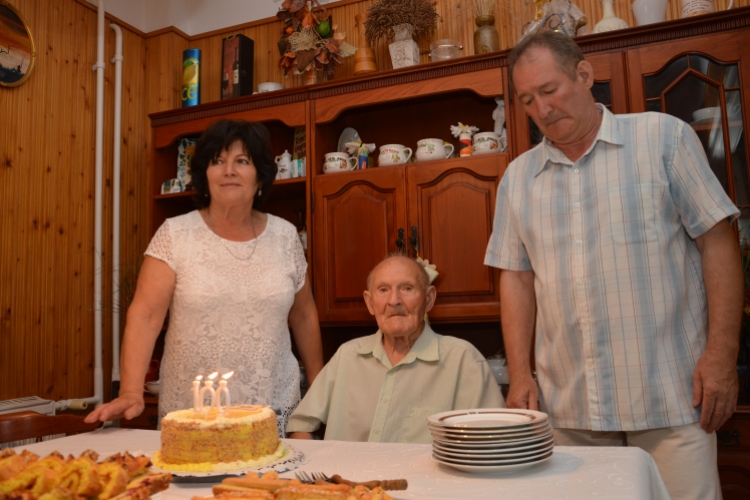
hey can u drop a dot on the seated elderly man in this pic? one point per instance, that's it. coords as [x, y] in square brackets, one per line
[384, 386]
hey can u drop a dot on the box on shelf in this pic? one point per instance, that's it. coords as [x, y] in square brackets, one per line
[300, 144]
[237, 66]
[298, 167]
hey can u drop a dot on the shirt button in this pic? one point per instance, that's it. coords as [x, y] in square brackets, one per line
[580, 283]
[377, 431]
[575, 170]
[579, 242]
[385, 400]
[577, 204]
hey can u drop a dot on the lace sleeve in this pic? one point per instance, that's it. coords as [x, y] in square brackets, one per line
[300, 263]
[161, 245]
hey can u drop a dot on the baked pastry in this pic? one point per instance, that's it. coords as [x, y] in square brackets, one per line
[244, 436]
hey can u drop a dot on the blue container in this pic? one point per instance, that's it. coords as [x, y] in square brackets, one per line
[191, 76]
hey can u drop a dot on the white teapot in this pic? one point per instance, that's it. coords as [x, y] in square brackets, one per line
[284, 162]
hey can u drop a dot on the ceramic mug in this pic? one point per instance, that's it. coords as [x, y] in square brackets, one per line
[433, 149]
[339, 162]
[393, 154]
[486, 142]
[269, 86]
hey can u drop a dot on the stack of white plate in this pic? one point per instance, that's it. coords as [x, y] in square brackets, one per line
[486, 440]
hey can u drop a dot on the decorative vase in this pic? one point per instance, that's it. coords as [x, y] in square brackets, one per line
[486, 38]
[364, 57]
[404, 50]
[649, 11]
[609, 21]
[311, 77]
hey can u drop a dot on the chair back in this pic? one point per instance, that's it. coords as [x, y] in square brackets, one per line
[23, 425]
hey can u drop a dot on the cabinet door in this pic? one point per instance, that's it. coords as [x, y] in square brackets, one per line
[699, 81]
[609, 89]
[356, 219]
[452, 210]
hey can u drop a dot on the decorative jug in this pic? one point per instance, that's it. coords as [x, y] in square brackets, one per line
[284, 162]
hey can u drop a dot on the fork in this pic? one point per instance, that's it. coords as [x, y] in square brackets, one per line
[322, 476]
[304, 477]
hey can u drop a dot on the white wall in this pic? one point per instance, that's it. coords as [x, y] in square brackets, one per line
[191, 16]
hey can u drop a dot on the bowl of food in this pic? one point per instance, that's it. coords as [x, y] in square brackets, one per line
[153, 387]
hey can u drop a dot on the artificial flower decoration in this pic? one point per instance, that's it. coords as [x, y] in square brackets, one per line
[309, 40]
[430, 268]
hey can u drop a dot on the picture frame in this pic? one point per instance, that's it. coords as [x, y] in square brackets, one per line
[17, 49]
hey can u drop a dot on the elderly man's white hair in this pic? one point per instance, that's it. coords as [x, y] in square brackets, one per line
[423, 276]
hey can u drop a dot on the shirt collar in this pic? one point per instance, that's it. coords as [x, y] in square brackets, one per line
[425, 348]
[609, 131]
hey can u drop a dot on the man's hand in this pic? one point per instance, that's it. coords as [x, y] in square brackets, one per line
[715, 387]
[300, 435]
[523, 393]
[128, 405]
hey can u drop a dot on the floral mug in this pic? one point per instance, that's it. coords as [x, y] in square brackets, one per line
[486, 142]
[393, 154]
[339, 162]
[433, 149]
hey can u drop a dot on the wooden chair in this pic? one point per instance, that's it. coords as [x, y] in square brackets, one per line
[31, 425]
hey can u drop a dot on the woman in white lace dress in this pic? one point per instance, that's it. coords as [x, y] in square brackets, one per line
[234, 280]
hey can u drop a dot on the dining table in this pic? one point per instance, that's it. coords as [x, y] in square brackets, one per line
[595, 473]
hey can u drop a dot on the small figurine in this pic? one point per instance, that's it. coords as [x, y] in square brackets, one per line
[362, 151]
[499, 116]
[464, 133]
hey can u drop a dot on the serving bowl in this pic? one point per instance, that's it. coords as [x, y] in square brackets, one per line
[153, 387]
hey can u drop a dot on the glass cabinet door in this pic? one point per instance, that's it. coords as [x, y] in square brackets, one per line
[704, 80]
[706, 94]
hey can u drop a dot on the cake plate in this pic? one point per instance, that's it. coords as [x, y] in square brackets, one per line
[290, 460]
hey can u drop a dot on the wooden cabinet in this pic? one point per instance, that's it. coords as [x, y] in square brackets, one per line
[734, 456]
[441, 210]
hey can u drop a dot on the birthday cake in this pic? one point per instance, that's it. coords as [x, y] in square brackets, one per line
[241, 436]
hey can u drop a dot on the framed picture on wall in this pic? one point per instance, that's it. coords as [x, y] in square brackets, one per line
[17, 52]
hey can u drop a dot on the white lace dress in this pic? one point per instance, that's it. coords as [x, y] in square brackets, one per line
[229, 312]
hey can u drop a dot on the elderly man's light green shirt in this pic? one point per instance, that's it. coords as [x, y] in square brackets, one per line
[361, 397]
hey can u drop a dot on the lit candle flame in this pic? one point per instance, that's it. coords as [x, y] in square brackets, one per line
[199, 377]
[227, 375]
[213, 375]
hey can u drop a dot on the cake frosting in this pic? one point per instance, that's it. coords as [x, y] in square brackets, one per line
[243, 436]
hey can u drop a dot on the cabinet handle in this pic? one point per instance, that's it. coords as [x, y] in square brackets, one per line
[153, 420]
[400, 241]
[413, 241]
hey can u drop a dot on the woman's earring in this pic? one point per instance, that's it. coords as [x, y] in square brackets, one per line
[260, 192]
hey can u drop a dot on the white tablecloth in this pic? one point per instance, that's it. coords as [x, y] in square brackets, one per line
[572, 473]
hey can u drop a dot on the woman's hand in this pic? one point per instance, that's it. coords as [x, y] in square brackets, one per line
[126, 405]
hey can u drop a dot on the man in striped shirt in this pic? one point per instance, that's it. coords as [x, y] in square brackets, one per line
[614, 236]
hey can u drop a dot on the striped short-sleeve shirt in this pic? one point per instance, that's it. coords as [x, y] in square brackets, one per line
[621, 304]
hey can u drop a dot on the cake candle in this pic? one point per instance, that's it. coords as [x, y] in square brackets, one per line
[208, 385]
[223, 389]
[197, 403]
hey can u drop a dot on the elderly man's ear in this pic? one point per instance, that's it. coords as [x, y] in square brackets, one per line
[431, 296]
[585, 73]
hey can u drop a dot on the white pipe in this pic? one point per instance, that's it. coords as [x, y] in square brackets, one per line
[117, 61]
[98, 205]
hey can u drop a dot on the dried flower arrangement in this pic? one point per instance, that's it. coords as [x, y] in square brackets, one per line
[385, 14]
[309, 40]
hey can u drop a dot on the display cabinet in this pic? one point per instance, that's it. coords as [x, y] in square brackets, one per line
[440, 210]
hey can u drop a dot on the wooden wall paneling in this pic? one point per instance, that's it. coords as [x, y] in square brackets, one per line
[46, 207]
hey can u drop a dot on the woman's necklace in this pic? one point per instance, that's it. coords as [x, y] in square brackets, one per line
[224, 244]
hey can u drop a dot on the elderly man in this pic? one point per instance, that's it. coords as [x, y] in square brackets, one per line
[617, 228]
[383, 387]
